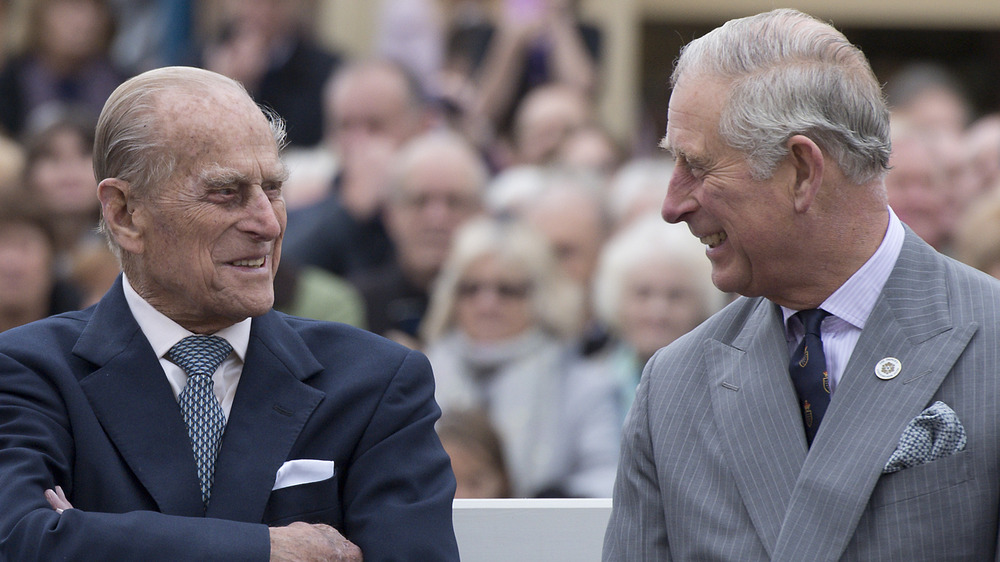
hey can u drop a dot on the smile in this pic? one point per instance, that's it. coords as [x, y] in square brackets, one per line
[713, 240]
[258, 262]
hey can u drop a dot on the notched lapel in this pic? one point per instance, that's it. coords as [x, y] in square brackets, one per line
[132, 400]
[760, 420]
[271, 406]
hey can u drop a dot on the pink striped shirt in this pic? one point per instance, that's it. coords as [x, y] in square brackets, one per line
[851, 304]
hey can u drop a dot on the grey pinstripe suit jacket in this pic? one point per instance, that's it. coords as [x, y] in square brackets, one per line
[714, 460]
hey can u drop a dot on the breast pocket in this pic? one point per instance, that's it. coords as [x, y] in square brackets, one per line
[923, 479]
[315, 502]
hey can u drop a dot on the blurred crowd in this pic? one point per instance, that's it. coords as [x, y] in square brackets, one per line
[456, 192]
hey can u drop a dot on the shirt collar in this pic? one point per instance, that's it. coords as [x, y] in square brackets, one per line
[163, 333]
[853, 301]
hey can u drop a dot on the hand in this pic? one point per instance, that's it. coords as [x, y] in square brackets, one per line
[57, 499]
[304, 542]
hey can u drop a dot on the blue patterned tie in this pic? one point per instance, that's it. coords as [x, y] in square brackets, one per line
[200, 356]
[808, 371]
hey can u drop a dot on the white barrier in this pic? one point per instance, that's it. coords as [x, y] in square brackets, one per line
[525, 530]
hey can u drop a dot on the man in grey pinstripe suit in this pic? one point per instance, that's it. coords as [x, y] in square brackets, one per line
[781, 137]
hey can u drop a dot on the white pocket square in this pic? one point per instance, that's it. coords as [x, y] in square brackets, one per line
[302, 471]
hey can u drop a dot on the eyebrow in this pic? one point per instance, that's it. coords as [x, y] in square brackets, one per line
[220, 176]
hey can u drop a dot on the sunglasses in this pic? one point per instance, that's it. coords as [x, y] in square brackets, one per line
[504, 290]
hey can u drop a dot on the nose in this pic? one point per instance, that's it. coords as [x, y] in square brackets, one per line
[680, 200]
[265, 217]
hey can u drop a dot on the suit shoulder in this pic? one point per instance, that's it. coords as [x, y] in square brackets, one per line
[322, 337]
[45, 336]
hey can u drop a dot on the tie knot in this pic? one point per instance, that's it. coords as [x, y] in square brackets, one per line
[811, 319]
[199, 355]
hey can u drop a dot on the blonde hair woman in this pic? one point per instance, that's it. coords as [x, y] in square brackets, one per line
[499, 319]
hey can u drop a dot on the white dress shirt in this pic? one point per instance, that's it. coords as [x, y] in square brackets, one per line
[163, 333]
[851, 304]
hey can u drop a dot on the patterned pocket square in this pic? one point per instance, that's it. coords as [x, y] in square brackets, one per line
[935, 433]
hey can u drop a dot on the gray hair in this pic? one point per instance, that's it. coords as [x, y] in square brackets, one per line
[793, 74]
[557, 303]
[130, 144]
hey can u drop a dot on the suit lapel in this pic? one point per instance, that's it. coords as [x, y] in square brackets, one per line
[911, 322]
[271, 406]
[133, 402]
[756, 410]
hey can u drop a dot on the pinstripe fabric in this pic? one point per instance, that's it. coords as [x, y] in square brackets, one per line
[714, 463]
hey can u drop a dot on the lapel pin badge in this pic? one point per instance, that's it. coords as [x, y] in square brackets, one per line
[888, 368]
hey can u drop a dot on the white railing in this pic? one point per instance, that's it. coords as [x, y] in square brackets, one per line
[526, 530]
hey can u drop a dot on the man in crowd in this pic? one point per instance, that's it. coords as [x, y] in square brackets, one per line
[371, 108]
[182, 418]
[435, 185]
[844, 408]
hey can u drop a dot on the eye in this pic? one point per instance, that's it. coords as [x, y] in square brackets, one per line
[273, 189]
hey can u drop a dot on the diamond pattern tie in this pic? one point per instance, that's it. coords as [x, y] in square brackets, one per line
[808, 371]
[200, 356]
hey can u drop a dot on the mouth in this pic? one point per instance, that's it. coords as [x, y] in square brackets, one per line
[713, 240]
[251, 263]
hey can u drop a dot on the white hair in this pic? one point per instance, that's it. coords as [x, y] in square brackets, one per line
[646, 240]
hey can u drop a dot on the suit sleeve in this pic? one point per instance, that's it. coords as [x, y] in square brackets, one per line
[637, 529]
[399, 490]
[37, 452]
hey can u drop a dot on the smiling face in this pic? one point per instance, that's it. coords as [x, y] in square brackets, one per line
[746, 224]
[208, 239]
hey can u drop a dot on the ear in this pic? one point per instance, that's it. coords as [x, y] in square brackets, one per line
[118, 206]
[807, 160]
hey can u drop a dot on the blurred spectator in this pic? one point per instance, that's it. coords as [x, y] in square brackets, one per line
[12, 160]
[371, 109]
[94, 268]
[929, 97]
[59, 169]
[638, 188]
[984, 151]
[916, 184]
[571, 213]
[536, 42]
[476, 454]
[29, 289]
[499, 316]
[264, 44]
[591, 147]
[546, 118]
[63, 59]
[436, 183]
[653, 285]
[977, 238]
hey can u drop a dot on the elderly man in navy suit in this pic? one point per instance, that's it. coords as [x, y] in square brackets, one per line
[845, 408]
[181, 418]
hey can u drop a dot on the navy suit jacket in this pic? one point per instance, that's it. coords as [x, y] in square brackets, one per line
[84, 404]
